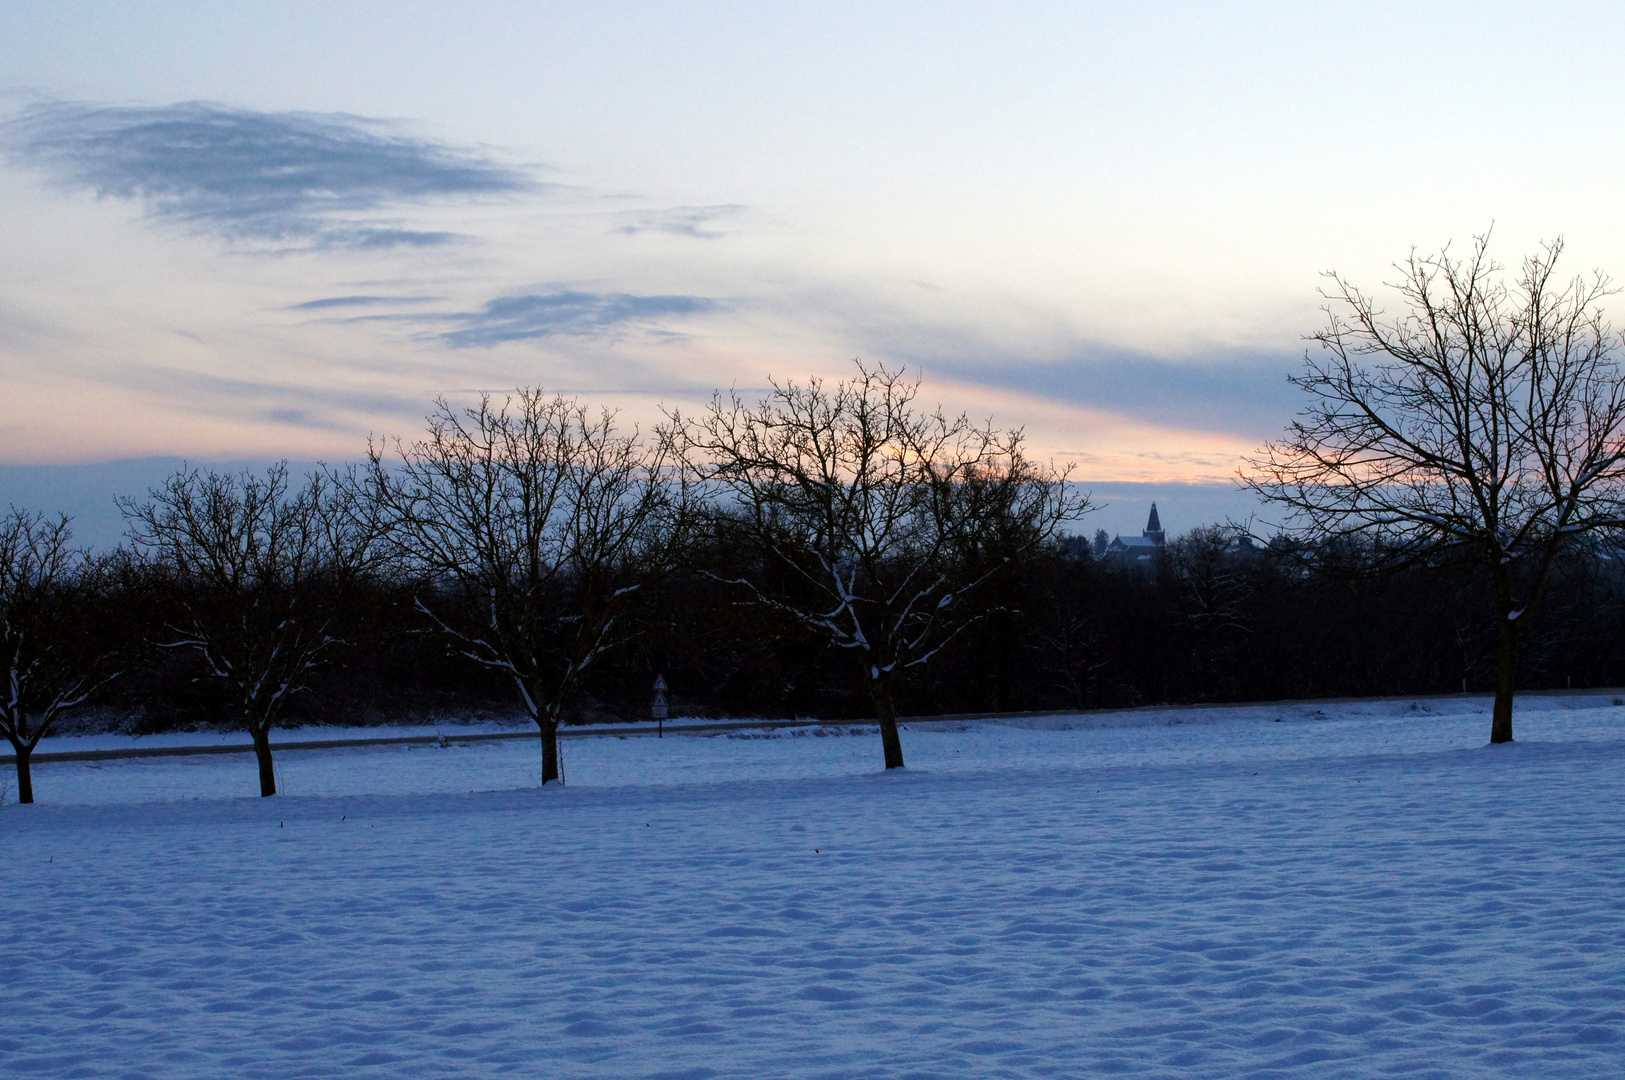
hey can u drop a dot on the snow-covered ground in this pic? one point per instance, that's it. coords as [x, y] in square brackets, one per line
[1358, 890]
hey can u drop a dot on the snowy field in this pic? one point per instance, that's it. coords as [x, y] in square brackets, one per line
[1359, 890]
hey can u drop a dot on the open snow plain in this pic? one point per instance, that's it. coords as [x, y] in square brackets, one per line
[1358, 890]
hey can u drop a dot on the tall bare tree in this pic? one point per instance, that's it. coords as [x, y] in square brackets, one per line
[256, 570]
[52, 657]
[531, 522]
[880, 519]
[1485, 421]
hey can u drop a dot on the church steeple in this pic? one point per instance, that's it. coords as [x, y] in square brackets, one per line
[1153, 527]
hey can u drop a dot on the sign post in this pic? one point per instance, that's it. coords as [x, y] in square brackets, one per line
[658, 708]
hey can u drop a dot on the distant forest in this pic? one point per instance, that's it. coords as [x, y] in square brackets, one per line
[1205, 619]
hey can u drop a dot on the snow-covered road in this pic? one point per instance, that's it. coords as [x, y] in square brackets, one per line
[1358, 890]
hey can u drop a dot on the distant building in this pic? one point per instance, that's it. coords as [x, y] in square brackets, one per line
[1136, 548]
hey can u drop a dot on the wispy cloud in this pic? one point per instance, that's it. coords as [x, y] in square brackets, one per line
[296, 179]
[1037, 352]
[1244, 394]
[359, 301]
[244, 398]
[566, 314]
[701, 222]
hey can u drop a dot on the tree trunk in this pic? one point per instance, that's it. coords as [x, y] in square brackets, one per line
[550, 748]
[886, 713]
[262, 750]
[1506, 682]
[25, 775]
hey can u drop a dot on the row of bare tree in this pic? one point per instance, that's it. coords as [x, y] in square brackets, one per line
[1209, 619]
[1480, 431]
[525, 526]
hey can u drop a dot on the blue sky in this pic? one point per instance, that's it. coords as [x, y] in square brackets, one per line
[250, 231]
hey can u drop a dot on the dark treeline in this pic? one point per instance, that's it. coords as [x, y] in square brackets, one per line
[1204, 620]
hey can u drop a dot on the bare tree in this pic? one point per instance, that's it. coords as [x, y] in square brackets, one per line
[531, 523]
[1486, 421]
[879, 518]
[256, 571]
[52, 658]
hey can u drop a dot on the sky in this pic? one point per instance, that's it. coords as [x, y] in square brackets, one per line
[244, 232]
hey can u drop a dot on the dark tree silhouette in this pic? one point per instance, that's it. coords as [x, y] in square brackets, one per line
[879, 518]
[256, 572]
[51, 655]
[529, 524]
[1485, 422]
